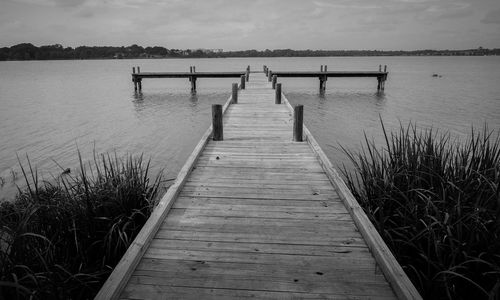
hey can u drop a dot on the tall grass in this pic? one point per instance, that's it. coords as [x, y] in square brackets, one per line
[61, 239]
[436, 203]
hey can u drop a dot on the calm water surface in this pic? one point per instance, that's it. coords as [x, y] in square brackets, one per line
[49, 109]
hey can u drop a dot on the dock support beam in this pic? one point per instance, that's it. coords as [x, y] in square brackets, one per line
[139, 81]
[134, 80]
[269, 75]
[277, 99]
[242, 84]
[322, 84]
[217, 130]
[381, 79]
[192, 69]
[235, 93]
[298, 123]
[275, 79]
[193, 84]
[323, 79]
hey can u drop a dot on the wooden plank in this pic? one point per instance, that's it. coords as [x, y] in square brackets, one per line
[196, 201]
[146, 291]
[353, 240]
[178, 216]
[309, 250]
[329, 73]
[188, 74]
[266, 283]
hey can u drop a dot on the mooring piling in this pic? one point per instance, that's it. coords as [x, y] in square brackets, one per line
[298, 120]
[275, 79]
[218, 134]
[242, 83]
[235, 93]
[277, 99]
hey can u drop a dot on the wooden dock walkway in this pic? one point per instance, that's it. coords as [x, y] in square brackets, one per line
[258, 216]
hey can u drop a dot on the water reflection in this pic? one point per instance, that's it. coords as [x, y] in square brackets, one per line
[138, 96]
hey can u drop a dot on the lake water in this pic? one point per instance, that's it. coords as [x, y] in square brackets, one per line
[49, 109]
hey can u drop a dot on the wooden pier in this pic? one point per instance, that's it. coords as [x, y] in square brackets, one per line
[323, 74]
[257, 213]
[192, 75]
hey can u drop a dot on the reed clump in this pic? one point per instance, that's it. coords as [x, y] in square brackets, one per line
[61, 239]
[435, 201]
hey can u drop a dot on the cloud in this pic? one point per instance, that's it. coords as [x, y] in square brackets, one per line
[492, 17]
[59, 3]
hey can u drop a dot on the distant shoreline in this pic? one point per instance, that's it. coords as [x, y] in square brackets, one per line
[28, 51]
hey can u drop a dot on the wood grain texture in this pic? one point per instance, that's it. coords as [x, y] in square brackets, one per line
[255, 215]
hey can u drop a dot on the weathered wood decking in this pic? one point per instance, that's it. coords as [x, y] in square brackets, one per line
[257, 215]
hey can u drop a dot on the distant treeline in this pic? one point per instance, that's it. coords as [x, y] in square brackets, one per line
[27, 51]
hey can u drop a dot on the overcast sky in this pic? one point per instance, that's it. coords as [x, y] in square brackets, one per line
[258, 24]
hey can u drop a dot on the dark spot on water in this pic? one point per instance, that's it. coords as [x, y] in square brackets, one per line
[256, 249]
[295, 280]
[319, 273]
[193, 269]
[217, 157]
[315, 193]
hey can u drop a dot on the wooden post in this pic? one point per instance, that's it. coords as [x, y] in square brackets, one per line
[384, 78]
[247, 75]
[264, 67]
[326, 68]
[321, 68]
[134, 80]
[243, 78]
[322, 84]
[193, 84]
[217, 130]
[275, 79]
[380, 68]
[190, 71]
[248, 68]
[269, 74]
[138, 69]
[140, 84]
[379, 83]
[235, 93]
[194, 69]
[277, 99]
[298, 120]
